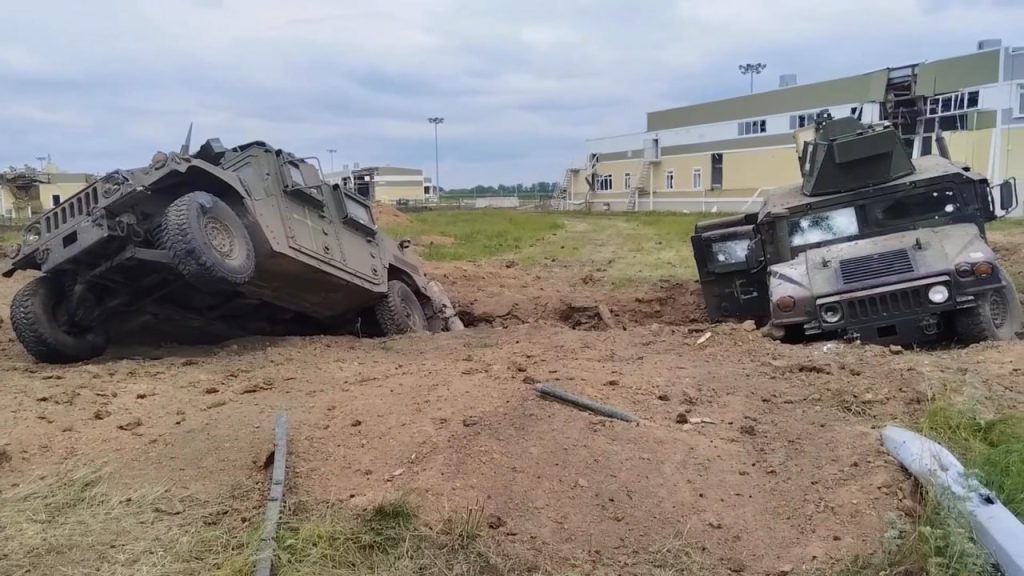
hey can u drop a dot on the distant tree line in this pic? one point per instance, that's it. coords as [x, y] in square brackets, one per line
[535, 189]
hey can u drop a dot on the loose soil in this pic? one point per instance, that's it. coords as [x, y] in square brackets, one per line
[766, 454]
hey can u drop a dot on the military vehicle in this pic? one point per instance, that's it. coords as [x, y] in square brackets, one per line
[872, 245]
[246, 240]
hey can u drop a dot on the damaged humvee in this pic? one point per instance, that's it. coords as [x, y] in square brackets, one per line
[246, 240]
[871, 245]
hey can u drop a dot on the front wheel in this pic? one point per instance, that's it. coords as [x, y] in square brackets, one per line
[400, 312]
[39, 317]
[207, 242]
[996, 316]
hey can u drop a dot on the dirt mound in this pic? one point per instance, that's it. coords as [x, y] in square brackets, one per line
[388, 215]
[508, 295]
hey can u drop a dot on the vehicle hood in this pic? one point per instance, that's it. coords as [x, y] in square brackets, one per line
[889, 259]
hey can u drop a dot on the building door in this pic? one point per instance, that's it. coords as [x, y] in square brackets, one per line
[716, 171]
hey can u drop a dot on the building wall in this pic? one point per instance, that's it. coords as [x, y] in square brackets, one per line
[971, 147]
[42, 201]
[753, 169]
[389, 192]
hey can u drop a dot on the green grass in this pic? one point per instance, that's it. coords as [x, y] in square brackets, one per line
[78, 522]
[7, 237]
[477, 234]
[942, 543]
[1005, 225]
[624, 249]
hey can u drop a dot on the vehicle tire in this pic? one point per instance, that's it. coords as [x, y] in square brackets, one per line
[207, 242]
[994, 317]
[34, 318]
[399, 312]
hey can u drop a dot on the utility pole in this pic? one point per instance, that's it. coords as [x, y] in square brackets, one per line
[437, 165]
[332, 152]
[752, 70]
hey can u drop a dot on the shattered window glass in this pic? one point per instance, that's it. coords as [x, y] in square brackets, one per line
[824, 226]
[914, 208]
[730, 251]
[296, 175]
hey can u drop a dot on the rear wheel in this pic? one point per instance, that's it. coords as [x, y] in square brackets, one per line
[400, 312]
[995, 317]
[208, 242]
[39, 317]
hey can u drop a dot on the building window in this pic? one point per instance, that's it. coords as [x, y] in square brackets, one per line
[54, 200]
[604, 183]
[1020, 100]
[716, 171]
[670, 180]
[627, 181]
[951, 103]
[752, 127]
[698, 179]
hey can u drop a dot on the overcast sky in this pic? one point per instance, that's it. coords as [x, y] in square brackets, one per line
[521, 84]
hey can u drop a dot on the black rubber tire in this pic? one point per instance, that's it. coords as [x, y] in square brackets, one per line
[188, 225]
[399, 312]
[977, 324]
[35, 324]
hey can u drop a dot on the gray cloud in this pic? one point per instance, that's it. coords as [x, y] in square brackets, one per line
[522, 84]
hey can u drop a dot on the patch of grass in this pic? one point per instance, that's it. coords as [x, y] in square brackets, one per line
[1006, 225]
[478, 234]
[943, 544]
[994, 448]
[388, 540]
[626, 249]
[76, 522]
[8, 237]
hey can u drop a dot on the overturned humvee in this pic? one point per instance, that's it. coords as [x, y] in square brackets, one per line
[223, 241]
[871, 245]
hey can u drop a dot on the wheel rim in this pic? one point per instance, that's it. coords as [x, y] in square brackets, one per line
[411, 317]
[220, 237]
[999, 309]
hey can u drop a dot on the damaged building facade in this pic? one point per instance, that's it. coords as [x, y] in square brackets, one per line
[722, 155]
[26, 191]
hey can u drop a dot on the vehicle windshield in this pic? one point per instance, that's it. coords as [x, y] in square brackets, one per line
[823, 227]
[879, 215]
[919, 207]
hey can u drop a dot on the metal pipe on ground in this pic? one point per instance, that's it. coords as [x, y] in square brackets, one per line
[585, 404]
[268, 540]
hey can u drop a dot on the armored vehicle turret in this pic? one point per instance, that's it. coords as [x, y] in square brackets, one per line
[870, 245]
[223, 242]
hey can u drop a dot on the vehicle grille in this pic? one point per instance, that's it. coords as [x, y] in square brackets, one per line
[875, 266]
[898, 303]
[76, 206]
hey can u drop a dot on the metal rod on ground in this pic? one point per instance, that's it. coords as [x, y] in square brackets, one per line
[583, 403]
[268, 540]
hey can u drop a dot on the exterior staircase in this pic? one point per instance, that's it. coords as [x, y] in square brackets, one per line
[640, 186]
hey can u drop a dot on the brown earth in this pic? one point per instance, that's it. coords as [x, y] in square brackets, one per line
[789, 470]
[386, 215]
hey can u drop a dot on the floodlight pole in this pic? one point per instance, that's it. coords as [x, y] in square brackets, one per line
[751, 70]
[332, 152]
[437, 165]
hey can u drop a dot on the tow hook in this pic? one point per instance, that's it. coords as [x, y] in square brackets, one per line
[931, 325]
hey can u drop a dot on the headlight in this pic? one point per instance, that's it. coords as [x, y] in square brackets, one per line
[786, 304]
[964, 270]
[32, 234]
[984, 270]
[938, 294]
[831, 313]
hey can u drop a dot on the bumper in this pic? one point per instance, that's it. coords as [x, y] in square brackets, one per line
[898, 314]
[61, 247]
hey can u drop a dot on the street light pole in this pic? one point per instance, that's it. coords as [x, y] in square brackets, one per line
[437, 165]
[332, 151]
[751, 70]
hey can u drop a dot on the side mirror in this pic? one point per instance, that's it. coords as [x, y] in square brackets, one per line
[1008, 196]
